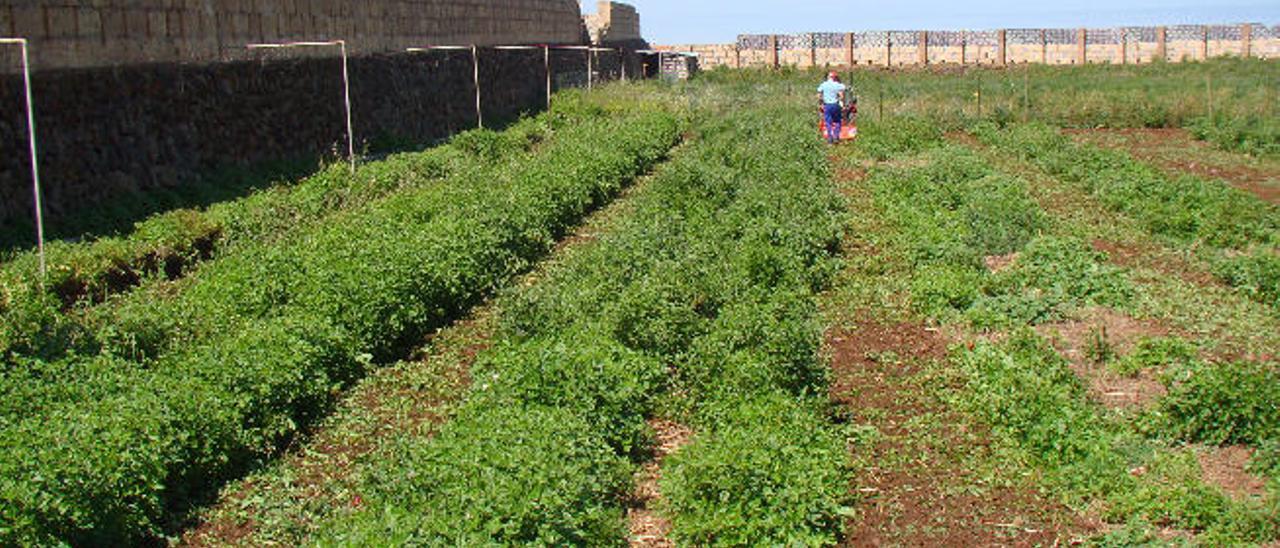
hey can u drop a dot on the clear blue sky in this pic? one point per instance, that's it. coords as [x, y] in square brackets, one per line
[706, 21]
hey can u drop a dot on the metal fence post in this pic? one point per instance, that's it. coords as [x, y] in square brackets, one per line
[1082, 46]
[31, 142]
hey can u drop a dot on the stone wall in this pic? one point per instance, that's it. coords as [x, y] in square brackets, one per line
[135, 95]
[614, 23]
[107, 132]
[111, 32]
[995, 47]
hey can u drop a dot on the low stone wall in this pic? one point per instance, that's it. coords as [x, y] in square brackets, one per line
[614, 23]
[106, 132]
[1010, 46]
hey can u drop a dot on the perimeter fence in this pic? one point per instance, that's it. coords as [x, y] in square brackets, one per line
[1060, 46]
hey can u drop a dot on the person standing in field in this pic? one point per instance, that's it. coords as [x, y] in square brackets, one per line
[831, 93]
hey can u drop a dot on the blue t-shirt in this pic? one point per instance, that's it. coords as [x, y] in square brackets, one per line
[831, 91]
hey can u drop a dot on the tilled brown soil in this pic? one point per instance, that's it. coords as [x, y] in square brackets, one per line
[915, 485]
[647, 527]
[1122, 333]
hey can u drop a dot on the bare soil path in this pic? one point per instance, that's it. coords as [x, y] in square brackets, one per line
[648, 528]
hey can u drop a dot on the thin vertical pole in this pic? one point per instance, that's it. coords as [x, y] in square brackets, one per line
[546, 65]
[1208, 92]
[979, 94]
[346, 84]
[590, 76]
[880, 101]
[622, 56]
[1026, 94]
[475, 64]
[35, 163]
[346, 99]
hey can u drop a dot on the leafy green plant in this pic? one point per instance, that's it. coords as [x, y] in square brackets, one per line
[1173, 493]
[1185, 209]
[1256, 135]
[1033, 401]
[1160, 353]
[1030, 395]
[938, 290]
[1098, 347]
[1266, 460]
[707, 282]
[770, 471]
[170, 245]
[1256, 274]
[1232, 402]
[505, 474]
[1051, 276]
[612, 387]
[894, 136]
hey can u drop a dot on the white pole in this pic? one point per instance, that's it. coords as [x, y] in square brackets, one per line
[589, 75]
[546, 65]
[31, 140]
[346, 99]
[346, 84]
[622, 54]
[475, 62]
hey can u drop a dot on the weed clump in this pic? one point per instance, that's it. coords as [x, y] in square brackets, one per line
[1229, 403]
[763, 474]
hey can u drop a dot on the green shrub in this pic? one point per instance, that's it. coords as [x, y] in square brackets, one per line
[1172, 493]
[170, 245]
[758, 347]
[1051, 276]
[1185, 209]
[1228, 403]
[1161, 353]
[584, 371]
[1266, 460]
[1031, 398]
[520, 474]
[234, 360]
[770, 472]
[1256, 274]
[1029, 395]
[709, 277]
[106, 448]
[897, 135]
[1001, 217]
[1259, 136]
[938, 290]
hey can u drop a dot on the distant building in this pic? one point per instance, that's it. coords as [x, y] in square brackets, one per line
[616, 25]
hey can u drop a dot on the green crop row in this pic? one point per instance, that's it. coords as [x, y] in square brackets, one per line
[1184, 209]
[169, 245]
[701, 300]
[952, 213]
[100, 448]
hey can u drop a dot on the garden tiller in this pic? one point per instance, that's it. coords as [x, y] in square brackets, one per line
[848, 129]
